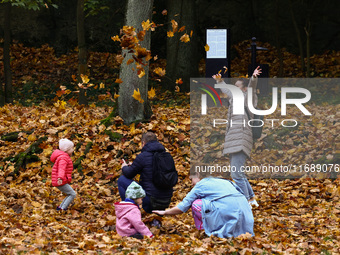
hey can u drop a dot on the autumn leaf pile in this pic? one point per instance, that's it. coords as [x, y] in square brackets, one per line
[295, 217]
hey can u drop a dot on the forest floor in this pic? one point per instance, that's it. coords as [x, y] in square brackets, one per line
[297, 215]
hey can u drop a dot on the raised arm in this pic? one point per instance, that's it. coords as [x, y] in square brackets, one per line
[257, 72]
[218, 79]
[253, 78]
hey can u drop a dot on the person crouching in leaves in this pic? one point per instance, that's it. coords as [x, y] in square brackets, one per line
[128, 215]
[62, 172]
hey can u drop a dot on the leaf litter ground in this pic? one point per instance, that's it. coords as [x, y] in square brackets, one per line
[296, 216]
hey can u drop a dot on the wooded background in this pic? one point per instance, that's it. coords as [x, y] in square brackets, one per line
[276, 22]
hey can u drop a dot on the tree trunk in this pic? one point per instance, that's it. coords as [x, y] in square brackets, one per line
[131, 110]
[298, 36]
[308, 31]
[82, 51]
[277, 37]
[8, 96]
[182, 58]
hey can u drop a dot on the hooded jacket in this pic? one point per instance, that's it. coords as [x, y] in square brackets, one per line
[62, 167]
[129, 220]
[143, 165]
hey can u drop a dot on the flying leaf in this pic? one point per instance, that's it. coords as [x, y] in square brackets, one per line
[141, 52]
[191, 33]
[174, 25]
[141, 73]
[129, 30]
[164, 12]
[185, 38]
[136, 95]
[206, 47]
[153, 26]
[170, 34]
[146, 25]
[177, 89]
[119, 59]
[179, 81]
[181, 29]
[129, 61]
[84, 78]
[148, 56]
[115, 38]
[115, 96]
[159, 71]
[141, 35]
[151, 93]
[118, 80]
[101, 85]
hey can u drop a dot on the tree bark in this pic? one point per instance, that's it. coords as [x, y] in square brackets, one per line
[308, 31]
[82, 51]
[298, 36]
[181, 57]
[131, 110]
[8, 96]
[277, 37]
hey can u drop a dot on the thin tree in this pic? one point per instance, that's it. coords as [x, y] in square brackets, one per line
[277, 37]
[82, 50]
[298, 36]
[181, 57]
[6, 93]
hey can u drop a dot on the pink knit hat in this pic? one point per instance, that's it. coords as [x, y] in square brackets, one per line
[65, 145]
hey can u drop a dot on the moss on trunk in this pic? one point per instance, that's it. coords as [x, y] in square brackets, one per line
[22, 158]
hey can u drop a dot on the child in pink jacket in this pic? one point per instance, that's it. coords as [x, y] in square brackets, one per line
[128, 215]
[62, 172]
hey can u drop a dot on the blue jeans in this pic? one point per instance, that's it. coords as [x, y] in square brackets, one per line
[237, 160]
[71, 194]
[123, 183]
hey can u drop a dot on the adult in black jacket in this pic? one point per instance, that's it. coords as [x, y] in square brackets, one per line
[155, 198]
